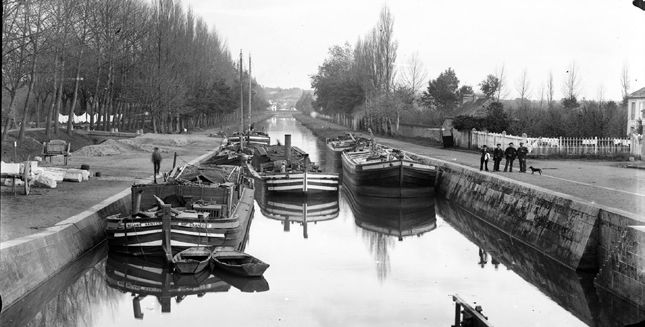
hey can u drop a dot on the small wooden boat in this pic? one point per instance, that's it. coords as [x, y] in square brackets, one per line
[238, 263]
[192, 260]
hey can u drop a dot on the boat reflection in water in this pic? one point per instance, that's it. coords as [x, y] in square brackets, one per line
[151, 276]
[384, 220]
[301, 208]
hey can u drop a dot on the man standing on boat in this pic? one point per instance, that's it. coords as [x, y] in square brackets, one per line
[510, 154]
[156, 162]
[498, 154]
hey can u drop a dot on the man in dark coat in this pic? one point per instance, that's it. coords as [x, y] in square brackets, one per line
[483, 162]
[510, 154]
[156, 162]
[498, 154]
[522, 151]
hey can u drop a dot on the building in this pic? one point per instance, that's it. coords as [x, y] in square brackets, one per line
[635, 111]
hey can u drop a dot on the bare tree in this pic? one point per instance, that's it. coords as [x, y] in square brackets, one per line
[414, 75]
[550, 90]
[523, 86]
[541, 96]
[501, 91]
[571, 86]
[624, 80]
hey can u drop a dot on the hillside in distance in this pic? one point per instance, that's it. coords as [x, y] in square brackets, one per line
[283, 98]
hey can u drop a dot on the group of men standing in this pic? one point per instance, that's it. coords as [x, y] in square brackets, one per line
[510, 154]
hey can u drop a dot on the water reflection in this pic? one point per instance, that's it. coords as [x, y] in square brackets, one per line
[574, 291]
[302, 209]
[71, 298]
[384, 220]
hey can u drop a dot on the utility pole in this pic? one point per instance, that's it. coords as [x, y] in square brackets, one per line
[250, 95]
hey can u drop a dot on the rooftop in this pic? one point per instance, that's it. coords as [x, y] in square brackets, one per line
[638, 94]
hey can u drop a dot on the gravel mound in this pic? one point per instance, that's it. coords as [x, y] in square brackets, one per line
[144, 143]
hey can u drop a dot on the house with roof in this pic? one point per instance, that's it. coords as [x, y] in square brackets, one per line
[635, 110]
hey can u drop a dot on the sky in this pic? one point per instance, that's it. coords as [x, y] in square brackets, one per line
[289, 39]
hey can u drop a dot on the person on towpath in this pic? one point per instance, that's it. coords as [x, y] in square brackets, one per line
[156, 162]
[510, 154]
[522, 151]
[498, 155]
[483, 161]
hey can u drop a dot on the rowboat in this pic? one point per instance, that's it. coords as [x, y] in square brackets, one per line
[151, 276]
[288, 169]
[238, 263]
[387, 172]
[192, 260]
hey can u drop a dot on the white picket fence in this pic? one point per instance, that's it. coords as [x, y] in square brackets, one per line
[562, 146]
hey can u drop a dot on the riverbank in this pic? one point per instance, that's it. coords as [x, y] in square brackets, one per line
[580, 225]
[47, 230]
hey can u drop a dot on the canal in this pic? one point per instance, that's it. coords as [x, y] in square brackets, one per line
[353, 261]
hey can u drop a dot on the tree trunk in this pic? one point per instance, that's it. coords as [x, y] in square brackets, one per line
[7, 124]
[60, 95]
[48, 120]
[29, 91]
[73, 106]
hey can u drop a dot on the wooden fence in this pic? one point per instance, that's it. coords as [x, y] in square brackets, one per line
[562, 146]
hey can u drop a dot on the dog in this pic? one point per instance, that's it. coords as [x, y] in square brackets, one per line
[534, 170]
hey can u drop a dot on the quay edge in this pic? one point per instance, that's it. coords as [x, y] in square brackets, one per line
[578, 234]
[29, 261]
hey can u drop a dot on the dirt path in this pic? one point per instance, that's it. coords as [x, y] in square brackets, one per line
[25, 215]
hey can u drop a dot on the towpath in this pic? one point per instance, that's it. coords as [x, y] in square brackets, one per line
[607, 183]
[42, 208]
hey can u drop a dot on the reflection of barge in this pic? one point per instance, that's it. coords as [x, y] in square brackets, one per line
[302, 209]
[387, 172]
[200, 206]
[151, 276]
[392, 216]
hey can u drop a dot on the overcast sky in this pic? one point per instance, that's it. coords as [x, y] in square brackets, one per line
[289, 39]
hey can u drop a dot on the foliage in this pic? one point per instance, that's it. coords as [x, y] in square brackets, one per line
[304, 103]
[570, 102]
[442, 92]
[465, 122]
[496, 120]
[119, 58]
[489, 86]
[335, 87]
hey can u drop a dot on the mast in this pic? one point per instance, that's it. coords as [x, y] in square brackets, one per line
[241, 102]
[250, 95]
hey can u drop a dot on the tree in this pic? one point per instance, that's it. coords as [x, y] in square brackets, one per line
[550, 90]
[570, 102]
[523, 86]
[489, 86]
[501, 83]
[496, 120]
[571, 85]
[625, 83]
[414, 75]
[335, 86]
[442, 92]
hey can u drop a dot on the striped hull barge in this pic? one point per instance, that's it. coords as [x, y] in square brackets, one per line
[294, 175]
[222, 221]
[388, 175]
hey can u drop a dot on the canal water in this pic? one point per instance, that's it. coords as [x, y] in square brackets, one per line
[352, 262]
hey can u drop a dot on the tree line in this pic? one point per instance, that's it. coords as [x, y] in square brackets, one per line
[129, 63]
[363, 81]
